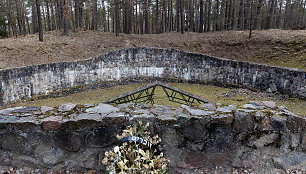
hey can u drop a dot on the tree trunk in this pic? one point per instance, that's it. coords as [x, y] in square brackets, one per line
[52, 15]
[12, 19]
[125, 16]
[222, 16]
[287, 12]
[279, 15]
[19, 17]
[156, 18]
[141, 18]
[241, 15]
[178, 3]
[66, 25]
[171, 17]
[304, 14]
[48, 15]
[269, 16]
[274, 16]
[117, 17]
[229, 15]
[34, 17]
[201, 17]
[104, 17]
[257, 16]
[246, 14]
[59, 14]
[9, 18]
[208, 16]
[40, 30]
[28, 24]
[161, 18]
[136, 31]
[226, 15]
[81, 5]
[131, 18]
[192, 15]
[233, 17]
[150, 17]
[94, 22]
[217, 16]
[251, 19]
[92, 27]
[23, 17]
[146, 16]
[165, 18]
[71, 20]
[108, 22]
[76, 13]
[205, 14]
[182, 15]
[87, 19]
[113, 17]
[130, 14]
[43, 14]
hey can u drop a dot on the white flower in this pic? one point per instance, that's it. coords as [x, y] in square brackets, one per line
[116, 149]
[161, 154]
[147, 125]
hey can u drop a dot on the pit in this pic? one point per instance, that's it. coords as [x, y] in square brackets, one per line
[257, 135]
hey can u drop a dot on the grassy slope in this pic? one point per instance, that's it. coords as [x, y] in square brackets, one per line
[274, 47]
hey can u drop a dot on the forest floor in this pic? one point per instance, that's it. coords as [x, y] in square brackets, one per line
[273, 47]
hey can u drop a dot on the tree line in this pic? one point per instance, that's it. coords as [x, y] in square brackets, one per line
[21, 17]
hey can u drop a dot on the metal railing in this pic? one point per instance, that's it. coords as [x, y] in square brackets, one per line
[145, 94]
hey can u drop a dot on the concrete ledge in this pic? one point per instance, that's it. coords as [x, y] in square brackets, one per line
[147, 63]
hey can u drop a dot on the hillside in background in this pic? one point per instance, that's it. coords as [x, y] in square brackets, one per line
[273, 47]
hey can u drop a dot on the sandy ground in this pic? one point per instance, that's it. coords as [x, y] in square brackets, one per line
[274, 47]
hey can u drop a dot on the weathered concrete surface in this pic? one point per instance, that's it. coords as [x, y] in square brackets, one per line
[145, 64]
[241, 138]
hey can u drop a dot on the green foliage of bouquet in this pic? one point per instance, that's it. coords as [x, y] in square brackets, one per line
[140, 153]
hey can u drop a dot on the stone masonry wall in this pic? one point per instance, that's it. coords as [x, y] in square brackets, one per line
[257, 136]
[154, 63]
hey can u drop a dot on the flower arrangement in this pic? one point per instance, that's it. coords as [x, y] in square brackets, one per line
[138, 153]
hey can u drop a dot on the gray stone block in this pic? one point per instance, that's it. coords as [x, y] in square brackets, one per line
[208, 106]
[243, 122]
[226, 109]
[102, 109]
[49, 155]
[66, 107]
[115, 118]
[265, 140]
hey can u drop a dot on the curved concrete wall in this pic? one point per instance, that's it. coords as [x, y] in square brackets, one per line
[132, 63]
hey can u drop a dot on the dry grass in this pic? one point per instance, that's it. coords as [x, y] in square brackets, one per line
[274, 47]
[225, 96]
